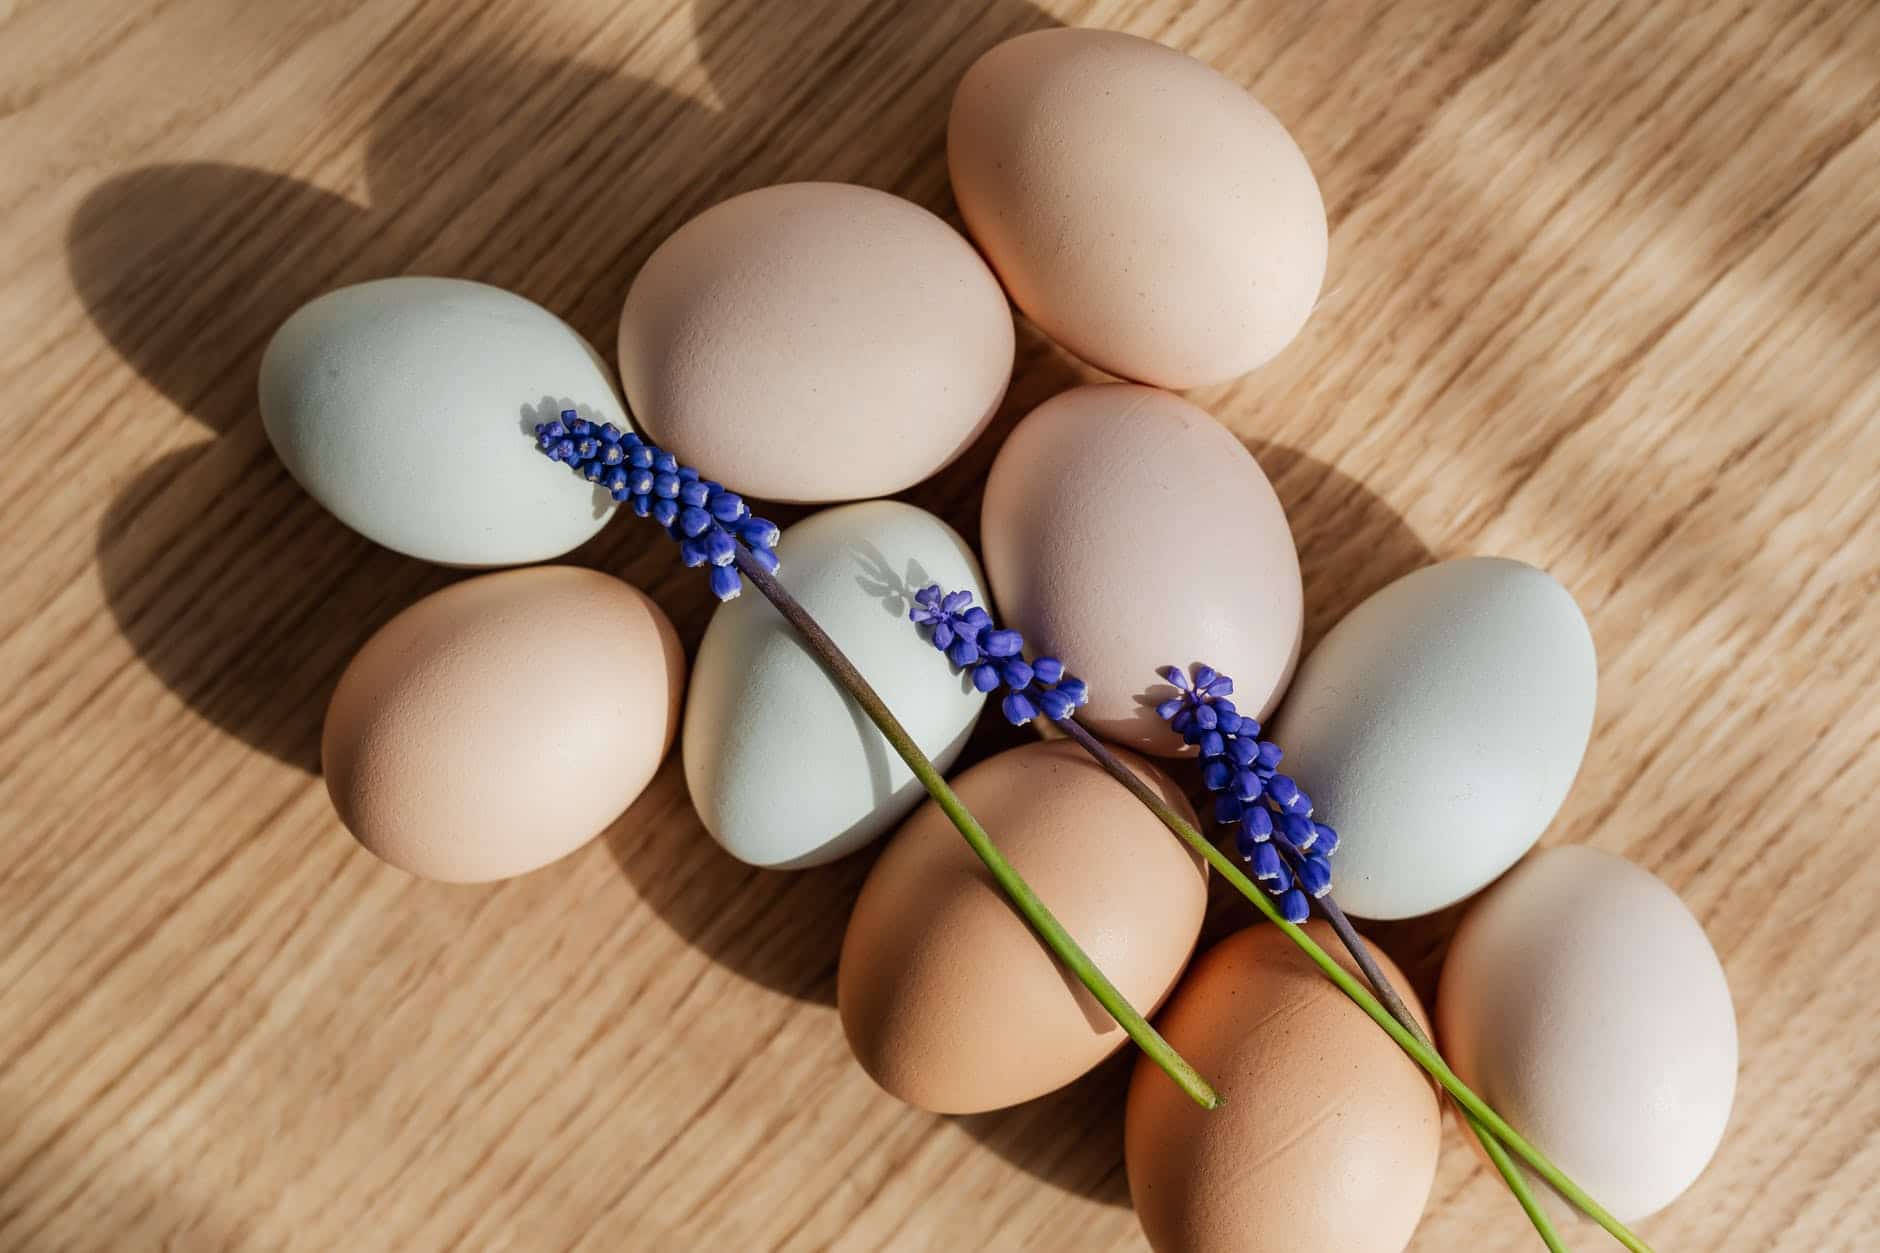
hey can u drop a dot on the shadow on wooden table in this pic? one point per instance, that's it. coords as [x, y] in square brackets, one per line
[548, 177]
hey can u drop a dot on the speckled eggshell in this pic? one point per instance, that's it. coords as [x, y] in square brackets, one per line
[1142, 209]
[1126, 530]
[406, 406]
[1438, 727]
[1327, 1135]
[453, 736]
[949, 1000]
[1582, 1000]
[815, 342]
[784, 768]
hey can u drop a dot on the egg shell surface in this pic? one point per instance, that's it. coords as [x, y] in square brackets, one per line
[406, 406]
[1327, 1136]
[1125, 530]
[784, 768]
[814, 342]
[502, 722]
[948, 998]
[1438, 727]
[1583, 1001]
[1141, 208]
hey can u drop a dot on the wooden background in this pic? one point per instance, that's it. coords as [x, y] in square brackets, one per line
[1604, 295]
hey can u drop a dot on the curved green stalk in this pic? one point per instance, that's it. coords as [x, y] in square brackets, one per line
[1380, 984]
[1026, 901]
[1421, 1053]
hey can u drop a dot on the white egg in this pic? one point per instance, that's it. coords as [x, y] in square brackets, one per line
[407, 407]
[1582, 1000]
[784, 768]
[1438, 727]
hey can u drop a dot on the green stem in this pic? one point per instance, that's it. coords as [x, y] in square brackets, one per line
[1386, 993]
[1026, 901]
[1421, 1053]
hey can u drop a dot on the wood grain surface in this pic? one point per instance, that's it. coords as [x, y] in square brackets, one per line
[1604, 295]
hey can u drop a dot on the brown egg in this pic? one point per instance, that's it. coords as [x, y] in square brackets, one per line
[815, 342]
[950, 1001]
[503, 722]
[1142, 209]
[1125, 530]
[1327, 1134]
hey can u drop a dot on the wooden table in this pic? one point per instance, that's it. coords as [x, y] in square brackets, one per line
[1604, 295]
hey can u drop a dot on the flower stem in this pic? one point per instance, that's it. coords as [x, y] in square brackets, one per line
[1026, 901]
[1419, 1051]
[1380, 983]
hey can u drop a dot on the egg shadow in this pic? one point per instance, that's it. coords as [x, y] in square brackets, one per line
[1071, 1138]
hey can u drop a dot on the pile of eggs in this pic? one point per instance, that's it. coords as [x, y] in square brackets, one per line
[820, 343]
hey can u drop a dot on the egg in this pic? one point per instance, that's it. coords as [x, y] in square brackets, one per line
[1327, 1134]
[815, 342]
[1126, 530]
[947, 997]
[1438, 727]
[784, 768]
[1142, 209]
[1583, 1002]
[406, 406]
[502, 722]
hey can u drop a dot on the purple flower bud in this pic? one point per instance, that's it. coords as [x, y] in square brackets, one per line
[1259, 819]
[985, 676]
[963, 652]
[1315, 875]
[1269, 754]
[1217, 775]
[692, 552]
[694, 494]
[665, 511]
[956, 602]
[694, 521]
[1266, 862]
[725, 582]
[1327, 842]
[720, 549]
[1177, 676]
[1284, 791]
[1056, 705]
[1048, 669]
[759, 533]
[1018, 709]
[1003, 643]
[1167, 710]
[942, 635]
[1212, 744]
[666, 485]
[1075, 688]
[726, 506]
[1016, 672]
[1228, 809]
[1294, 908]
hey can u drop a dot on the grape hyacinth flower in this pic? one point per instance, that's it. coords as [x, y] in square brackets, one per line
[1289, 853]
[707, 520]
[995, 658]
[714, 527]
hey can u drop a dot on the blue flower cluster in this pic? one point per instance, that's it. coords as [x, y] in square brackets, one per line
[1288, 852]
[965, 633]
[707, 521]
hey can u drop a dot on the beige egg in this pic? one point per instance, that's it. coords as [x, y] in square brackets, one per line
[1142, 209]
[1327, 1135]
[1125, 530]
[949, 1000]
[815, 342]
[503, 722]
[1583, 1002]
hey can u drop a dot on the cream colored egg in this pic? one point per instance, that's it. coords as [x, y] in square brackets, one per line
[1327, 1135]
[949, 1000]
[1142, 209]
[1125, 530]
[1583, 1002]
[815, 342]
[784, 768]
[503, 722]
[1438, 727]
[406, 407]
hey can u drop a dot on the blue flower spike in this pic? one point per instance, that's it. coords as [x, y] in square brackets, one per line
[995, 658]
[1288, 853]
[707, 521]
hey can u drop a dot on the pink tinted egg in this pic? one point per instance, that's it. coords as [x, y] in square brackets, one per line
[1124, 530]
